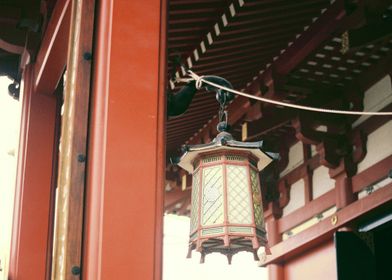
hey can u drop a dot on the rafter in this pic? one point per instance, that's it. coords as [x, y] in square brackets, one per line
[216, 30]
[333, 20]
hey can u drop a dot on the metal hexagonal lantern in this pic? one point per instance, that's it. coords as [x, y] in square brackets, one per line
[227, 212]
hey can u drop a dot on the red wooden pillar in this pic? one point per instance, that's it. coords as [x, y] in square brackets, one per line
[273, 213]
[123, 236]
[343, 186]
[33, 187]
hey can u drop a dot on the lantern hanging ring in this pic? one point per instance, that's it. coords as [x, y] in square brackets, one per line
[222, 96]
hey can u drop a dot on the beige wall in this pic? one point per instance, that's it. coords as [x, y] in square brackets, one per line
[9, 129]
[379, 146]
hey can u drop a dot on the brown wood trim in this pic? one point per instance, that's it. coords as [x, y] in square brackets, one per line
[308, 187]
[302, 214]
[73, 154]
[308, 178]
[376, 172]
[325, 229]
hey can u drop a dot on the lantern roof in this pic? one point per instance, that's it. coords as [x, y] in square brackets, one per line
[225, 141]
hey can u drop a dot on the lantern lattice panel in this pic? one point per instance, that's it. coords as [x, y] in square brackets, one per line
[195, 200]
[257, 202]
[239, 205]
[228, 199]
[212, 201]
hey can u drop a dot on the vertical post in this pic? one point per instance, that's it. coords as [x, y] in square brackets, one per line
[72, 157]
[275, 271]
[343, 187]
[33, 186]
[308, 181]
[125, 187]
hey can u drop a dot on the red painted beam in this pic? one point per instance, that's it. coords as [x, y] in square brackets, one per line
[380, 199]
[52, 56]
[312, 209]
[372, 174]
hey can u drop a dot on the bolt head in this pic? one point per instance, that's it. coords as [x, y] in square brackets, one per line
[76, 270]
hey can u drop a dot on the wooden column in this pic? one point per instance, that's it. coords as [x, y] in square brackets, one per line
[275, 271]
[73, 146]
[33, 187]
[308, 177]
[125, 187]
[343, 187]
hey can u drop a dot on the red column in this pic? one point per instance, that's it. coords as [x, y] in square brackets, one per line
[273, 213]
[343, 187]
[123, 237]
[33, 187]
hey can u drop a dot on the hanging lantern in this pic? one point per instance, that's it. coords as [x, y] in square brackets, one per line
[227, 212]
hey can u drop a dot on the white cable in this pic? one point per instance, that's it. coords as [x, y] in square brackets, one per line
[199, 80]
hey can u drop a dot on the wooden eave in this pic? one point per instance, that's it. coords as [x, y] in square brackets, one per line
[284, 50]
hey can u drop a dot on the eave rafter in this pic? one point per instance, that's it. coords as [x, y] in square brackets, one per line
[322, 37]
[208, 40]
[333, 21]
[314, 35]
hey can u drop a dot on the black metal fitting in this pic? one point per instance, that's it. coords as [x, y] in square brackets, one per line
[87, 56]
[75, 270]
[81, 158]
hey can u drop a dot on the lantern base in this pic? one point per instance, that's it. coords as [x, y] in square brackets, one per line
[216, 245]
